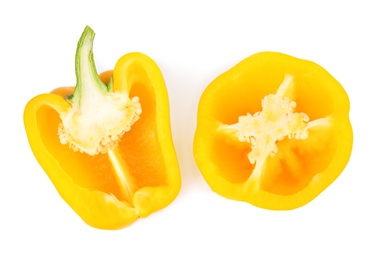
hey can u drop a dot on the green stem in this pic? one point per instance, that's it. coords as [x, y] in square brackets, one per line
[86, 73]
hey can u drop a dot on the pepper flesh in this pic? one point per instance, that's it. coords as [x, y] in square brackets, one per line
[273, 131]
[137, 176]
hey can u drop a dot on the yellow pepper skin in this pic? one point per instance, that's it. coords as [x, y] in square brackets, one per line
[273, 131]
[144, 159]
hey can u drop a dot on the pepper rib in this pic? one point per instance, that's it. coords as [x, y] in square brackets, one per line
[125, 180]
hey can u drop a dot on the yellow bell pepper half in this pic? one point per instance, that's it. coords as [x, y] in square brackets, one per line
[273, 131]
[106, 144]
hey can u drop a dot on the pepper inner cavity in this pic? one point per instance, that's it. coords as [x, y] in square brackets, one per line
[276, 121]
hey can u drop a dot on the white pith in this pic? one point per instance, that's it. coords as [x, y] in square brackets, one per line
[98, 122]
[276, 121]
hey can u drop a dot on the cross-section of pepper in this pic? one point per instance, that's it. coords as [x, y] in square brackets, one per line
[106, 144]
[273, 131]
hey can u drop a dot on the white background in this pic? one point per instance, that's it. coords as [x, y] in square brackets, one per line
[192, 42]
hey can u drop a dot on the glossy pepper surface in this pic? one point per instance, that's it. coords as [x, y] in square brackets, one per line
[106, 144]
[273, 131]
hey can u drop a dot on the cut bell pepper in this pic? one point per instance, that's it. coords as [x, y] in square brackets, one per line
[273, 131]
[106, 144]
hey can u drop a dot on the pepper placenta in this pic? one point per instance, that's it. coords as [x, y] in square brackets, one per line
[273, 131]
[106, 144]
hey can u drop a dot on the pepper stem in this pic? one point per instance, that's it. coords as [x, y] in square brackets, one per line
[85, 68]
[99, 117]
